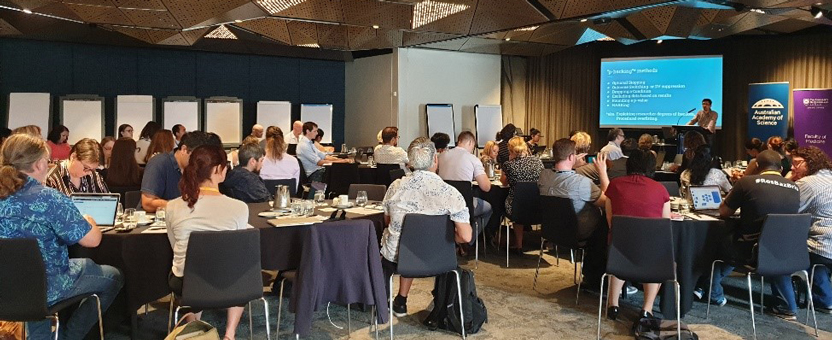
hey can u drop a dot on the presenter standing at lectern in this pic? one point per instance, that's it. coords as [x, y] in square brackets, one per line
[706, 118]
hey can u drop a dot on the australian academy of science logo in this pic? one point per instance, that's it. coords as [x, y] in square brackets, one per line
[767, 103]
[815, 102]
[767, 112]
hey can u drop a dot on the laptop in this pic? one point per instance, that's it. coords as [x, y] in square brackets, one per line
[101, 207]
[706, 199]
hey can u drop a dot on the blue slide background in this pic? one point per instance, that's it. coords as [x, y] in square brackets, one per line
[652, 93]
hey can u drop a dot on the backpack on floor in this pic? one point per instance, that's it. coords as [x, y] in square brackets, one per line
[445, 313]
[658, 329]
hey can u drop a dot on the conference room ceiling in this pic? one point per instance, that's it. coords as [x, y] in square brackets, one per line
[511, 27]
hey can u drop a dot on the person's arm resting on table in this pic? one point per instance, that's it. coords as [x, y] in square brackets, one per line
[152, 202]
[731, 202]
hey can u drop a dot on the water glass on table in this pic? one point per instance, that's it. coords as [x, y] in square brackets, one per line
[160, 215]
[361, 198]
[130, 220]
[297, 207]
[320, 198]
[119, 212]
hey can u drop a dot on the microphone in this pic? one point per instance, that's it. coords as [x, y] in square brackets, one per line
[691, 110]
[680, 117]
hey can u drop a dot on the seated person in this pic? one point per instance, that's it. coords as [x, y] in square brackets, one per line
[389, 152]
[278, 164]
[440, 141]
[460, 164]
[77, 173]
[33, 211]
[124, 171]
[753, 147]
[503, 137]
[704, 171]
[692, 140]
[313, 159]
[423, 192]
[636, 194]
[318, 145]
[202, 208]
[160, 182]
[489, 153]
[753, 194]
[242, 182]
[618, 167]
[57, 141]
[583, 142]
[612, 150]
[534, 140]
[521, 167]
[645, 141]
[814, 169]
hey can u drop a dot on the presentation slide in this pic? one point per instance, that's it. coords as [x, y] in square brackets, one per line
[658, 91]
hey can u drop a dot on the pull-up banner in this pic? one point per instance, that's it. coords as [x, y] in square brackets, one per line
[813, 118]
[768, 110]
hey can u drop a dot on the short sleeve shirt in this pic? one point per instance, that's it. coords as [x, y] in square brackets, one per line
[388, 154]
[612, 150]
[161, 177]
[421, 192]
[59, 179]
[309, 155]
[579, 189]
[44, 214]
[502, 152]
[638, 196]
[457, 164]
[705, 120]
[759, 195]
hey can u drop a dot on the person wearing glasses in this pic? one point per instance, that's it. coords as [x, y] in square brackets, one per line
[705, 118]
[77, 173]
[612, 150]
[389, 152]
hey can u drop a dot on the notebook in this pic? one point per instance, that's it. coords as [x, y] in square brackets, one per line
[706, 199]
[102, 207]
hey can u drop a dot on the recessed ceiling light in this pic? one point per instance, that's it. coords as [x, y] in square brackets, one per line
[429, 11]
[508, 39]
[238, 21]
[221, 32]
[313, 45]
[584, 20]
[27, 11]
[659, 41]
[375, 26]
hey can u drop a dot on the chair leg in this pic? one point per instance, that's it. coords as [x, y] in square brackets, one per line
[146, 307]
[100, 320]
[678, 311]
[57, 325]
[279, 308]
[557, 256]
[710, 289]
[250, 323]
[266, 311]
[484, 243]
[762, 294]
[600, 304]
[349, 320]
[507, 244]
[805, 277]
[390, 309]
[751, 304]
[580, 275]
[459, 289]
[537, 271]
[176, 316]
[572, 256]
[476, 249]
[811, 284]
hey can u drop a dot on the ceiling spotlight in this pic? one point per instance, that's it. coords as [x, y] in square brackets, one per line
[375, 26]
[27, 11]
[757, 10]
[659, 41]
[584, 20]
[238, 21]
[816, 12]
[508, 39]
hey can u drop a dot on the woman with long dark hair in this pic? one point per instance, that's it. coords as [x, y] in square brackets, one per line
[144, 140]
[124, 171]
[703, 170]
[203, 208]
[57, 141]
[125, 130]
[107, 150]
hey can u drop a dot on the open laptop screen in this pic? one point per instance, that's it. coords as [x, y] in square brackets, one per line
[705, 197]
[102, 207]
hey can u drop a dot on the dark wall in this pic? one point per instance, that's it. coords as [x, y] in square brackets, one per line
[65, 68]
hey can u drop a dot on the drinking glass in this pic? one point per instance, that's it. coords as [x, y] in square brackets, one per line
[130, 220]
[309, 207]
[371, 161]
[344, 148]
[160, 215]
[320, 197]
[361, 198]
[297, 208]
[119, 212]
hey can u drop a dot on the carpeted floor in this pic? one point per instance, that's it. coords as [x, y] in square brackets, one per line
[516, 311]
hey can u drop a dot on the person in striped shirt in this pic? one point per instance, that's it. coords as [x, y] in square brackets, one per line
[77, 174]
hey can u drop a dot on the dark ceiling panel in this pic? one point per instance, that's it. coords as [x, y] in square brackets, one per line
[6, 29]
[554, 6]
[418, 38]
[333, 37]
[58, 10]
[373, 12]
[577, 8]
[564, 33]
[193, 36]
[32, 4]
[151, 18]
[275, 29]
[684, 19]
[644, 25]
[497, 15]
[660, 17]
[140, 4]
[450, 45]
[303, 33]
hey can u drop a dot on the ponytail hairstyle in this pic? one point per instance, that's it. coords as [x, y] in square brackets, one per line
[200, 168]
[19, 153]
[275, 144]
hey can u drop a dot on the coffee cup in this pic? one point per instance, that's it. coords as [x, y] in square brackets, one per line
[344, 199]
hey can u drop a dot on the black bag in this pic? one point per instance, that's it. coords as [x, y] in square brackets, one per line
[658, 329]
[445, 313]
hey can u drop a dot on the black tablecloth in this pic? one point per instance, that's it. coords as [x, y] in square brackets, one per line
[697, 244]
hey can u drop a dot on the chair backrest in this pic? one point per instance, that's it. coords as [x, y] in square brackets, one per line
[383, 173]
[426, 246]
[526, 203]
[782, 247]
[375, 192]
[132, 199]
[271, 186]
[292, 149]
[642, 249]
[123, 191]
[23, 286]
[222, 269]
[465, 188]
[559, 223]
[672, 188]
[341, 175]
[303, 178]
[396, 174]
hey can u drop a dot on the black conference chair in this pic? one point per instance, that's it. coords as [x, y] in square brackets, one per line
[341, 176]
[672, 188]
[426, 248]
[132, 199]
[524, 208]
[641, 251]
[123, 192]
[222, 271]
[383, 175]
[292, 149]
[559, 225]
[466, 189]
[23, 299]
[396, 174]
[781, 250]
[271, 186]
[375, 192]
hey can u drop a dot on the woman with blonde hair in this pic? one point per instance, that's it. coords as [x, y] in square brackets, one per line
[278, 164]
[519, 168]
[32, 130]
[489, 153]
[162, 142]
[77, 173]
[645, 142]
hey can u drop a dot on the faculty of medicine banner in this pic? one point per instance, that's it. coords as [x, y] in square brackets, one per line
[813, 118]
[768, 110]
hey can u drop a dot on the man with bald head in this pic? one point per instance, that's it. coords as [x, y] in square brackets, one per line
[257, 131]
[294, 136]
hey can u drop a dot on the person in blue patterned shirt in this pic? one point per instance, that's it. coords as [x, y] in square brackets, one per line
[33, 211]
